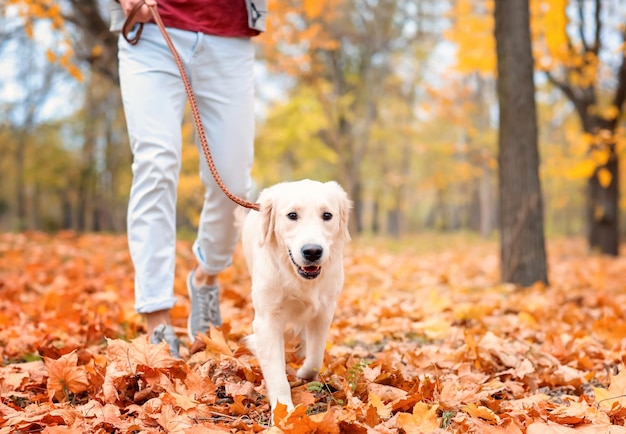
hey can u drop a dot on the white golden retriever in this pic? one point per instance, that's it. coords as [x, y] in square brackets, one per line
[294, 251]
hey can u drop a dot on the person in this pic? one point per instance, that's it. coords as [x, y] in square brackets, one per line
[214, 40]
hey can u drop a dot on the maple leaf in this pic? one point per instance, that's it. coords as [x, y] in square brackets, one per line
[481, 412]
[65, 376]
[140, 352]
[554, 428]
[383, 410]
[614, 397]
[422, 421]
[295, 422]
[216, 342]
[327, 421]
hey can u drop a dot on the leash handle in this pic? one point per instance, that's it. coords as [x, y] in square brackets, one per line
[127, 27]
[190, 95]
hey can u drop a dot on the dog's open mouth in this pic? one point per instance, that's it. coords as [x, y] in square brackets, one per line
[309, 271]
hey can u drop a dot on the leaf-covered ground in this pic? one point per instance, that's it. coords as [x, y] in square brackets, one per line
[424, 340]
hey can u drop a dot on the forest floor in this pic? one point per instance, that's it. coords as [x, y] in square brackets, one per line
[424, 340]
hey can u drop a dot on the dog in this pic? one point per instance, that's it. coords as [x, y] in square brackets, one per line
[294, 251]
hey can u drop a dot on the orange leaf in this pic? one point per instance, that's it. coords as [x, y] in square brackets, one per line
[481, 412]
[216, 342]
[140, 352]
[65, 376]
[423, 419]
[296, 422]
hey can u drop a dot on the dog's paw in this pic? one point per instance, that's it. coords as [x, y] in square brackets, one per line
[307, 373]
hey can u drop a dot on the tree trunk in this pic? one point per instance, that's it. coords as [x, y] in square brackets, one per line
[20, 182]
[486, 202]
[522, 244]
[603, 207]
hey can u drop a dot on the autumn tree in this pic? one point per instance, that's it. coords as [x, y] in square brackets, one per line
[582, 60]
[522, 245]
[346, 52]
[78, 42]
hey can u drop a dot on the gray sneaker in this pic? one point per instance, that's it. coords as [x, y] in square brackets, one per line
[205, 307]
[166, 333]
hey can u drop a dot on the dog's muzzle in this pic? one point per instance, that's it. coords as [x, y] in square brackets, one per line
[312, 253]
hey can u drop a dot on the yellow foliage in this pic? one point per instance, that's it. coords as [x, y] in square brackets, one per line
[582, 169]
[34, 11]
[299, 24]
[604, 177]
[611, 112]
[314, 8]
[549, 21]
[600, 156]
[473, 36]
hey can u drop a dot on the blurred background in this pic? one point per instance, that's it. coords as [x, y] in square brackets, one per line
[395, 99]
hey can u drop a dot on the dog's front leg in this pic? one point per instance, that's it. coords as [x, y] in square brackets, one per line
[316, 331]
[270, 351]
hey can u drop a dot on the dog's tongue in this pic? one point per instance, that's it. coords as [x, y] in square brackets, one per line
[311, 268]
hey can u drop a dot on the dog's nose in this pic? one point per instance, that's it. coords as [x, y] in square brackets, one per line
[312, 252]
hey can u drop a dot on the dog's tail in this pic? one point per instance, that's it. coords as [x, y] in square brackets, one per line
[250, 342]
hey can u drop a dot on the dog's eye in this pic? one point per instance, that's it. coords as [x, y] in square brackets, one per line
[292, 216]
[327, 216]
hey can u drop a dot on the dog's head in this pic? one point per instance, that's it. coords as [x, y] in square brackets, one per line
[307, 220]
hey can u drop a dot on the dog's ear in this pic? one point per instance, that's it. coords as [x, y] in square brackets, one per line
[267, 217]
[345, 205]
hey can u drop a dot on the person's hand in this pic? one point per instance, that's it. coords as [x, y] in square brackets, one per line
[143, 15]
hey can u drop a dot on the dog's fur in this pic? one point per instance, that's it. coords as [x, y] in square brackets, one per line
[294, 251]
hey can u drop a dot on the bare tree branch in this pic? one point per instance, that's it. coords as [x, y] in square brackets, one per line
[620, 92]
[581, 26]
[598, 21]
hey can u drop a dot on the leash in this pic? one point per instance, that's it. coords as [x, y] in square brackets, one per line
[190, 95]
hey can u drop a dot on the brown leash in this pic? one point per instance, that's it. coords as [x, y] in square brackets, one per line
[190, 95]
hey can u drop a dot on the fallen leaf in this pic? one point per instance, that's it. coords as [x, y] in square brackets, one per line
[65, 376]
[422, 421]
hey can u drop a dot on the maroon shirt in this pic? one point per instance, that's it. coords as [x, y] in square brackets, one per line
[212, 17]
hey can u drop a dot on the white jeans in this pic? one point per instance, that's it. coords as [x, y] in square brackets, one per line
[221, 73]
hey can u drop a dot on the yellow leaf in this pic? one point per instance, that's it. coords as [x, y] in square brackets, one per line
[422, 421]
[583, 169]
[604, 177]
[481, 412]
[614, 395]
[528, 319]
[216, 343]
[383, 410]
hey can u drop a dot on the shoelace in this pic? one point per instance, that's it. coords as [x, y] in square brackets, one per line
[209, 307]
